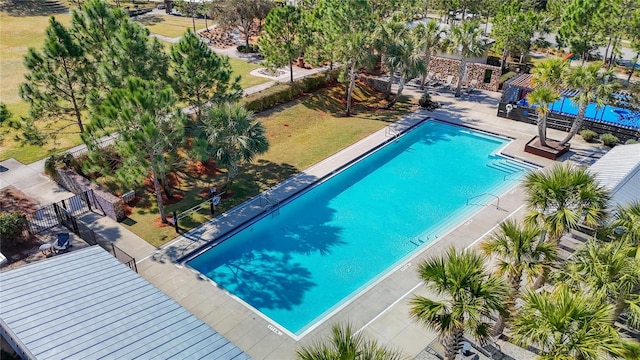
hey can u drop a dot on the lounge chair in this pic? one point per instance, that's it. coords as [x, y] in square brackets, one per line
[427, 79]
[62, 243]
[435, 81]
[448, 83]
[471, 86]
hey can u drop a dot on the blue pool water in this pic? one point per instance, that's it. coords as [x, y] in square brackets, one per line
[607, 114]
[326, 245]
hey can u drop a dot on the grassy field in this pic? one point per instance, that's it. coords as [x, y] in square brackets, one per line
[19, 32]
[169, 25]
[301, 133]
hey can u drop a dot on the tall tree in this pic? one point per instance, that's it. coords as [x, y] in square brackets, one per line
[320, 36]
[593, 86]
[240, 15]
[561, 198]
[519, 252]
[347, 345]
[467, 41]
[582, 25]
[387, 41]
[609, 270]
[200, 75]
[467, 295]
[410, 65]
[188, 7]
[149, 127]
[548, 77]
[513, 28]
[352, 20]
[57, 81]
[565, 324]
[430, 40]
[281, 41]
[234, 137]
[541, 98]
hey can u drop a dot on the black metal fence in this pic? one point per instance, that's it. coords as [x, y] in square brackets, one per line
[65, 213]
[93, 238]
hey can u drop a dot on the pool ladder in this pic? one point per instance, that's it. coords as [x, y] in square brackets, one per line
[389, 132]
[270, 204]
[485, 194]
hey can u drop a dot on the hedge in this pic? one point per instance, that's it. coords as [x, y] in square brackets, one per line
[283, 93]
[12, 227]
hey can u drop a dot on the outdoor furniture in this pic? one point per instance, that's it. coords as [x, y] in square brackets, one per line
[448, 82]
[62, 243]
[46, 249]
[472, 85]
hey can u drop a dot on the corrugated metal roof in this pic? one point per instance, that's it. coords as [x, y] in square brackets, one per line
[619, 172]
[522, 81]
[87, 305]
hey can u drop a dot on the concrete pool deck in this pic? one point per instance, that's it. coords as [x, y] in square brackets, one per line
[381, 311]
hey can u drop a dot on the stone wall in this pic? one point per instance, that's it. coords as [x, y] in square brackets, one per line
[446, 67]
[376, 83]
[111, 205]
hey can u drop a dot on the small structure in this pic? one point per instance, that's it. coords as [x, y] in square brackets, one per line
[613, 118]
[619, 172]
[87, 305]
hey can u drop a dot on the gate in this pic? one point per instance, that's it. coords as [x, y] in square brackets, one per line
[61, 213]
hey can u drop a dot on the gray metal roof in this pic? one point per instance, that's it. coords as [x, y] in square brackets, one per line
[87, 305]
[619, 172]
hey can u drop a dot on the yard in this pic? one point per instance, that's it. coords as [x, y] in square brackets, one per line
[19, 32]
[301, 133]
[169, 25]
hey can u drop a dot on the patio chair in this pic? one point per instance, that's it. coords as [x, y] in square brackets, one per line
[62, 243]
[427, 79]
[448, 83]
[435, 81]
[471, 86]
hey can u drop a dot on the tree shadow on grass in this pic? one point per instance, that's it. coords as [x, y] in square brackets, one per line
[150, 20]
[32, 8]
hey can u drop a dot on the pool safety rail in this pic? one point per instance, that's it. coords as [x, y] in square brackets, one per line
[270, 204]
[485, 194]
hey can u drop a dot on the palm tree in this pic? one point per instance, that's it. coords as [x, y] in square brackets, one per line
[568, 324]
[518, 251]
[541, 98]
[608, 269]
[410, 65]
[593, 86]
[626, 224]
[468, 41]
[386, 41]
[429, 37]
[468, 295]
[345, 345]
[562, 197]
[234, 136]
[549, 72]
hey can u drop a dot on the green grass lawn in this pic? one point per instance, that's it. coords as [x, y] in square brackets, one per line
[170, 25]
[301, 133]
[243, 69]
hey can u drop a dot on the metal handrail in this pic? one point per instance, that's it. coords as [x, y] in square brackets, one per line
[485, 194]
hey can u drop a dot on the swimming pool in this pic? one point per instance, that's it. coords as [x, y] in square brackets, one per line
[607, 114]
[322, 248]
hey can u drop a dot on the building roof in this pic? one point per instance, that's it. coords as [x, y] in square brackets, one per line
[87, 305]
[619, 172]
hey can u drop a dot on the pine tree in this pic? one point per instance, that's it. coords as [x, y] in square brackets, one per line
[281, 43]
[149, 127]
[57, 82]
[582, 26]
[200, 75]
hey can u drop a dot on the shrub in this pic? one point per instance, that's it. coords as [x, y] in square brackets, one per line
[609, 140]
[631, 141]
[5, 114]
[247, 50]
[588, 135]
[12, 227]
[282, 93]
[54, 162]
[425, 102]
